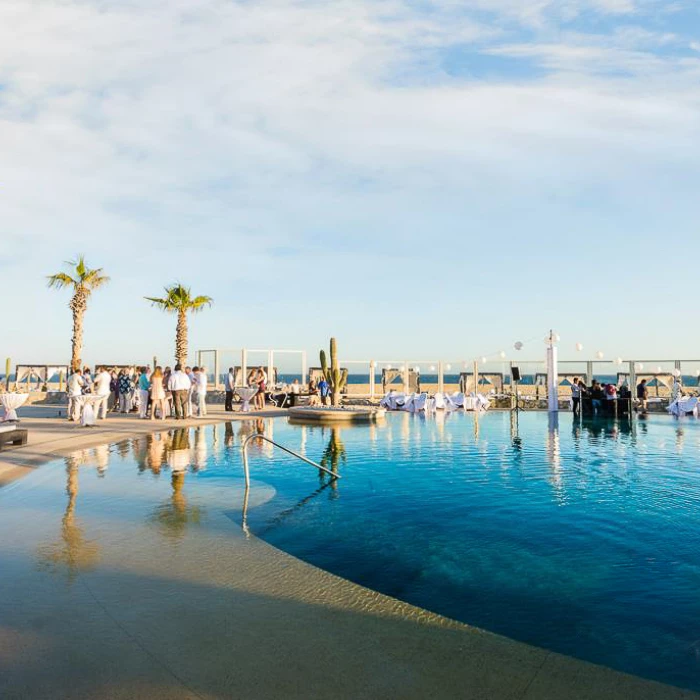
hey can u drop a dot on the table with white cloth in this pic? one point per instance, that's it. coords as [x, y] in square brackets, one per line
[684, 406]
[11, 401]
[471, 403]
[246, 393]
[86, 403]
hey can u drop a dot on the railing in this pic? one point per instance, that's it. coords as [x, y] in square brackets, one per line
[257, 436]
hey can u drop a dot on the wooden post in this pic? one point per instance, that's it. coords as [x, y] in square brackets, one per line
[371, 378]
[476, 377]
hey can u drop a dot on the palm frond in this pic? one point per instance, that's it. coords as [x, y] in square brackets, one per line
[198, 303]
[60, 280]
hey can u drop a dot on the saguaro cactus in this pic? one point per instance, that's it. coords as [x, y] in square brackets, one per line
[336, 378]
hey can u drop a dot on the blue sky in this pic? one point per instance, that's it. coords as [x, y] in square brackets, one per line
[426, 179]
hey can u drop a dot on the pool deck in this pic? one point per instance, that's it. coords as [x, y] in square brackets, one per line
[252, 622]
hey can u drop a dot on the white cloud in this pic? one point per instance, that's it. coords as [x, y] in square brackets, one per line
[131, 129]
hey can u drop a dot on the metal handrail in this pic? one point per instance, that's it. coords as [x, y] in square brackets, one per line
[257, 436]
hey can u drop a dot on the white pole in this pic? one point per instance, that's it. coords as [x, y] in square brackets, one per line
[270, 368]
[371, 379]
[216, 369]
[441, 378]
[552, 376]
[406, 375]
[303, 368]
[244, 368]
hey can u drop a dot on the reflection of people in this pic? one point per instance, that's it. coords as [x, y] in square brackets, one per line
[200, 392]
[677, 391]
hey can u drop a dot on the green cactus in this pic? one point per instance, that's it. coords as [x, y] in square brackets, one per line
[336, 378]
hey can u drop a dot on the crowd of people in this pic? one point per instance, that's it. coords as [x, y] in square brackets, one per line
[598, 393]
[153, 394]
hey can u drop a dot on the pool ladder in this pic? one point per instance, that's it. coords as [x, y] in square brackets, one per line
[258, 436]
[246, 469]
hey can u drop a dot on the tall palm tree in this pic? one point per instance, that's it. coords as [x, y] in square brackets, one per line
[84, 281]
[179, 300]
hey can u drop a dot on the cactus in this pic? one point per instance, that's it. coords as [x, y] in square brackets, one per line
[336, 378]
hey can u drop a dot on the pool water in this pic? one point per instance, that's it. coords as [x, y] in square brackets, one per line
[582, 537]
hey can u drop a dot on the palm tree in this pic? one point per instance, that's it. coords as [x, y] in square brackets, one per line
[84, 282]
[179, 300]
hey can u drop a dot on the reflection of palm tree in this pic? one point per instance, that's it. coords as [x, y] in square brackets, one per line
[174, 515]
[334, 454]
[73, 553]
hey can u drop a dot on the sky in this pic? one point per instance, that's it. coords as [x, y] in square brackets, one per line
[417, 178]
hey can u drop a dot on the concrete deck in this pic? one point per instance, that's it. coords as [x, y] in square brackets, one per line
[252, 622]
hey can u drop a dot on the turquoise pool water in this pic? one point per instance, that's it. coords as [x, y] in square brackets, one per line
[582, 538]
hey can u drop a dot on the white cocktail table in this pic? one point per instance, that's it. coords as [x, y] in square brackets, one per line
[246, 393]
[87, 403]
[11, 402]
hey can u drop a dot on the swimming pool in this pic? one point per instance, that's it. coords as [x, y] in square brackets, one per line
[582, 538]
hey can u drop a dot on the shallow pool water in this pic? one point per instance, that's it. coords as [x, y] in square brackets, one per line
[582, 538]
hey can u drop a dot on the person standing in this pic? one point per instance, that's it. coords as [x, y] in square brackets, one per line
[191, 372]
[180, 384]
[102, 387]
[643, 394]
[200, 392]
[576, 396]
[87, 381]
[325, 390]
[168, 393]
[157, 394]
[229, 385]
[74, 388]
[126, 386]
[144, 386]
[261, 381]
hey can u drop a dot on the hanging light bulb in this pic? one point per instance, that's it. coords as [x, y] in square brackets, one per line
[432, 368]
[639, 366]
[416, 369]
[448, 366]
[658, 369]
[600, 355]
[676, 373]
[402, 368]
[579, 347]
[502, 354]
[483, 360]
[619, 360]
[518, 346]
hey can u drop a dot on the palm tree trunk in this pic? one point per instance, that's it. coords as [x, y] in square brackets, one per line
[78, 305]
[181, 338]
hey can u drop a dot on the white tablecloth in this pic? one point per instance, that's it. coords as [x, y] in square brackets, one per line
[684, 406]
[246, 393]
[11, 402]
[87, 403]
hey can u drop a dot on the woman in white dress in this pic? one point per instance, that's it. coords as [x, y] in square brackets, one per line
[157, 393]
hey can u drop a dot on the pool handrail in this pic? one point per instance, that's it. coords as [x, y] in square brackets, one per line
[258, 436]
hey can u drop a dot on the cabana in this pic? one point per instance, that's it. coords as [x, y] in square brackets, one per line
[41, 373]
[316, 373]
[488, 382]
[394, 378]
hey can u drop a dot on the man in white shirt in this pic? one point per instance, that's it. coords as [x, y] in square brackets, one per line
[230, 385]
[74, 388]
[200, 390]
[101, 386]
[180, 385]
